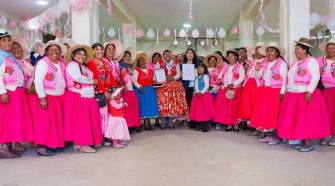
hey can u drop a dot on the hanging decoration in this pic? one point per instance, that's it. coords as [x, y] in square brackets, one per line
[167, 33]
[3, 20]
[104, 35]
[222, 33]
[210, 33]
[111, 32]
[157, 36]
[190, 17]
[175, 42]
[119, 31]
[182, 33]
[202, 43]
[260, 29]
[331, 24]
[67, 26]
[139, 33]
[234, 30]
[12, 23]
[216, 42]
[314, 20]
[150, 34]
[109, 7]
[195, 33]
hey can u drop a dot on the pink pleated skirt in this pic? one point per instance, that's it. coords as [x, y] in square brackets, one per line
[48, 123]
[82, 124]
[104, 118]
[300, 120]
[329, 95]
[227, 110]
[248, 99]
[132, 112]
[266, 113]
[15, 119]
[117, 129]
[202, 108]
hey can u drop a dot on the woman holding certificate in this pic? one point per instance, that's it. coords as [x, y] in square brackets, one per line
[228, 98]
[171, 97]
[190, 63]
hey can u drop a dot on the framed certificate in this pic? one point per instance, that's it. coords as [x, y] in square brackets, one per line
[188, 72]
[160, 75]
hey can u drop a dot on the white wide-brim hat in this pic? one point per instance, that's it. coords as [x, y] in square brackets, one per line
[53, 42]
[118, 47]
[323, 46]
[23, 44]
[253, 49]
[262, 50]
[133, 54]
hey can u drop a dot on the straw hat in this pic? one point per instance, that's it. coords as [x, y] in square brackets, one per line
[68, 41]
[263, 49]
[218, 59]
[23, 43]
[258, 44]
[305, 42]
[144, 55]
[118, 47]
[53, 42]
[4, 33]
[89, 52]
[323, 46]
[132, 52]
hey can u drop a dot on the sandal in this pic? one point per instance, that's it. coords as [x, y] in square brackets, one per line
[85, 149]
[47, 153]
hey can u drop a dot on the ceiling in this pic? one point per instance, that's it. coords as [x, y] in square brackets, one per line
[172, 13]
[25, 8]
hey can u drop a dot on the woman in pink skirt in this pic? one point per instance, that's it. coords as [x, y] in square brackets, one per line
[117, 129]
[303, 113]
[229, 96]
[49, 110]
[82, 124]
[15, 120]
[273, 75]
[202, 105]
[132, 112]
[327, 70]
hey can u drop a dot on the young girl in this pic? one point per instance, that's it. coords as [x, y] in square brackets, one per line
[202, 105]
[117, 129]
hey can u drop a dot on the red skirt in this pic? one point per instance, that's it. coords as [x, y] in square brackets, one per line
[132, 112]
[329, 95]
[15, 119]
[82, 123]
[300, 120]
[266, 113]
[48, 123]
[248, 98]
[227, 110]
[202, 108]
[172, 99]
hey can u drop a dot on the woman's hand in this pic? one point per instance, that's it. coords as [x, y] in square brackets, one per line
[129, 72]
[107, 95]
[142, 89]
[308, 97]
[218, 81]
[199, 94]
[44, 103]
[170, 78]
[5, 98]
[281, 96]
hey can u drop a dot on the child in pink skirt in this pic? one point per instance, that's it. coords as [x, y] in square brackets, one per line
[303, 114]
[202, 105]
[327, 70]
[117, 129]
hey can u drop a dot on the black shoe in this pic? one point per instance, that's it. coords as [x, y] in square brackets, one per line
[205, 130]
[172, 128]
[148, 128]
[192, 126]
[236, 130]
[228, 130]
[47, 153]
[163, 128]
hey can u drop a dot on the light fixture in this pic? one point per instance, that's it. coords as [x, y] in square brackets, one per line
[42, 2]
[187, 25]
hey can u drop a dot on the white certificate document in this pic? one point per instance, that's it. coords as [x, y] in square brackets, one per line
[160, 75]
[188, 72]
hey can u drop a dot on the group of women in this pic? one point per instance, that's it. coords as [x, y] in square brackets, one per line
[93, 96]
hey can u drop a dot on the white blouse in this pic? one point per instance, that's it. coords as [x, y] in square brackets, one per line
[314, 69]
[283, 74]
[74, 71]
[228, 77]
[40, 72]
[3, 87]
[135, 77]
[178, 75]
[205, 89]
